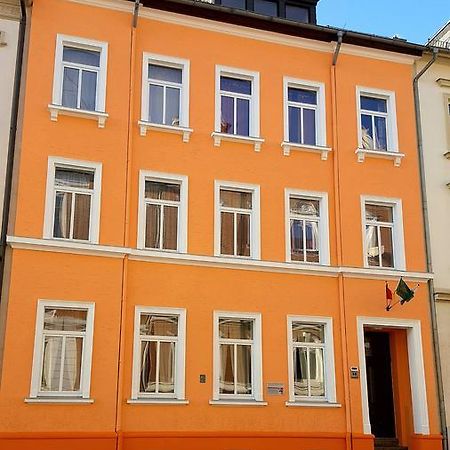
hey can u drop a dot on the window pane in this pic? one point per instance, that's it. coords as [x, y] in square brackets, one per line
[170, 228]
[226, 376]
[239, 4]
[373, 104]
[165, 73]
[309, 126]
[148, 367]
[159, 325]
[159, 190]
[227, 234]
[380, 133]
[367, 132]
[243, 117]
[156, 99]
[305, 207]
[227, 115]
[244, 369]
[81, 217]
[233, 328]
[266, 7]
[300, 371]
[312, 241]
[297, 13]
[51, 363]
[387, 254]
[152, 226]
[70, 88]
[59, 319]
[371, 244]
[308, 332]
[297, 245]
[302, 96]
[172, 107]
[295, 124]
[63, 211]
[74, 178]
[81, 56]
[88, 90]
[72, 364]
[235, 199]
[243, 235]
[166, 367]
[316, 372]
[235, 85]
[379, 213]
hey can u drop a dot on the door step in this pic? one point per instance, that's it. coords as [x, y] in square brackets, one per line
[388, 444]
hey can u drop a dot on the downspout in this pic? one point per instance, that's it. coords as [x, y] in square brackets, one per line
[435, 335]
[126, 233]
[12, 140]
[339, 244]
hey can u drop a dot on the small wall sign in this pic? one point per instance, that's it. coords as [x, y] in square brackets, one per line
[354, 372]
[275, 388]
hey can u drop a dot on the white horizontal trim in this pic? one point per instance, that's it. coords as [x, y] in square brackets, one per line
[53, 245]
[396, 156]
[237, 403]
[55, 110]
[288, 146]
[315, 404]
[60, 400]
[219, 137]
[156, 401]
[144, 126]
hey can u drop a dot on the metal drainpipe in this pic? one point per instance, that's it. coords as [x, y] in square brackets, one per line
[12, 140]
[435, 336]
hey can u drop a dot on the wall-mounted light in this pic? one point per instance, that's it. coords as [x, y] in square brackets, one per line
[447, 155]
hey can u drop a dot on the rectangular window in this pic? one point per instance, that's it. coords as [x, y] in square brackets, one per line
[63, 349]
[307, 227]
[165, 96]
[304, 112]
[311, 360]
[80, 74]
[266, 7]
[163, 212]
[297, 13]
[159, 353]
[238, 356]
[237, 102]
[383, 233]
[237, 213]
[377, 121]
[73, 200]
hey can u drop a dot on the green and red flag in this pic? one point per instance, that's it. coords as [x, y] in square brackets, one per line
[404, 292]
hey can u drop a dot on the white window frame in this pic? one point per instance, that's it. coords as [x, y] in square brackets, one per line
[177, 63]
[180, 358]
[324, 235]
[38, 354]
[182, 181]
[257, 375]
[49, 217]
[329, 367]
[255, 239]
[398, 243]
[87, 44]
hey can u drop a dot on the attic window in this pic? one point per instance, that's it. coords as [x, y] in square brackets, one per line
[297, 13]
[238, 4]
[266, 7]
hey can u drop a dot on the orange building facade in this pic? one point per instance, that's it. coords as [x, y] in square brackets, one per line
[206, 212]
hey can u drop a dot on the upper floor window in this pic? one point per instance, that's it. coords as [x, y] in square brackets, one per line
[383, 233]
[73, 200]
[377, 120]
[162, 211]
[80, 74]
[297, 13]
[159, 353]
[165, 93]
[237, 102]
[63, 349]
[237, 214]
[307, 227]
[266, 7]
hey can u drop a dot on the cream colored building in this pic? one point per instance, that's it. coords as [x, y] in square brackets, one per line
[434, 91]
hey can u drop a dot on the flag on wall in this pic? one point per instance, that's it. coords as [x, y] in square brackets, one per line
[388, 297]
[404, 292]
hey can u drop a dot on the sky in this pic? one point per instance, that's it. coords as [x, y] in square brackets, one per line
[414, 20]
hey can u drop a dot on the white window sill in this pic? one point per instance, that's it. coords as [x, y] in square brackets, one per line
[157, 401]
[395, 156]
[55, 110]
[60, 400]
[219, 137]
[288, 146]
[314, 404]
[183, 131]
[237, 402]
